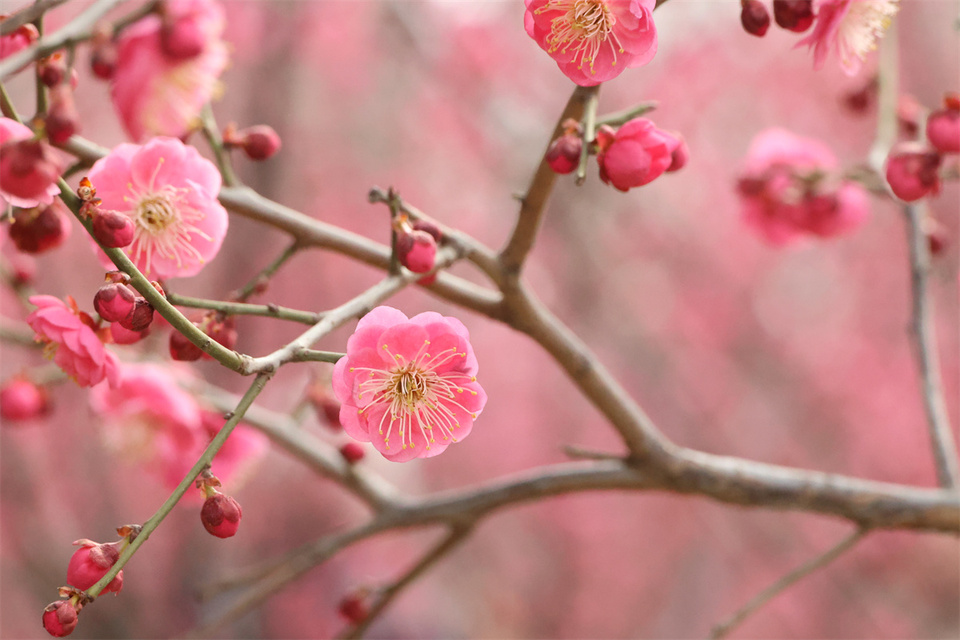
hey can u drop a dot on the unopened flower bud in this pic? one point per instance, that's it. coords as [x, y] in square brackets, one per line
[793, 15]
[63, 119]
[91, 562]
[121, 335]
[563, 154]
[114, 301]
[59, 618]
[352, 452]
[182, 349]
[221, 515]
[354, 607]
[223, 331]
[28, 168]
[139, 317]
[912, 172]
[103, 55]
[39, 229]
[52, 70]
[754, 17]
[325, 404]
[943, 126]
[112, 229]
[259, 142]
[417, 251]
[21, 399]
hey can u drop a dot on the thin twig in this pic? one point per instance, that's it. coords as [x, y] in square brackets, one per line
[618, 118]
[212, 134]
[244, 309]
[928, 359]
[457, 535]
[725, 627]
[27, 14]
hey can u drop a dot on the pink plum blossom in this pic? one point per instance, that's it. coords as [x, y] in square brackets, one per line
[170, 193]
[593, 41]
[790, 188]
[151, 421]
[637, 154]
[71, 342]
[408, 385]
[850, 28]
[43, 192]
[155, 89]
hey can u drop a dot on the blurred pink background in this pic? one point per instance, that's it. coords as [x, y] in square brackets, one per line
[796, 356]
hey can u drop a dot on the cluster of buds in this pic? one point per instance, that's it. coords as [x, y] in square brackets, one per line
[222, 329]
[417, 244]
[118, 302]
[111, 229]
[88, 565]
[792, 15]
[913, 168]
[258, 142]
[39, 229]
[23, 399]
[220, 513]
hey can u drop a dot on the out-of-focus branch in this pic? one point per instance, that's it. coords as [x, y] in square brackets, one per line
[535, 200]
[387, 595]
[722, 629]
[244, 309]
[27, 14]
[938, 420]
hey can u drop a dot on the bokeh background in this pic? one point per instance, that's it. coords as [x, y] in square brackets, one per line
[796, 356]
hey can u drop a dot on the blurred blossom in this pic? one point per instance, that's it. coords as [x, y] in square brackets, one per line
[168, 68]
[71, 342]
[593, 41]
[413, 380]
[789, 189]
[150, 420]
[41, 228]
[27, 180]
[850, 28]
[170, 193]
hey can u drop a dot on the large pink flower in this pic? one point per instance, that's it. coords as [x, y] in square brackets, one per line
[851, 28]
[11, 130]
[157, 93]
[593, 41]
[408, 385]
[73, 344]
[170, 193]
[150, 420]
[790, 187]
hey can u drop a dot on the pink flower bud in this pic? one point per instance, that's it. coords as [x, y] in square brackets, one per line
[103, 56]
[352, 452]
[59, 618]
[793, 15]
[122, 335]
[354, 607]
[114, 301]
[112, 229]
[417, 251]
[91, 562]
[40, 229]
[563, 154]
[259, 142]
[680, 154]
[912, 172]
[182, 349]
[21, 399]
[221, 515]
[140, 316]
[183, 38]
[754, 17]
[63, 119]
[638, 154]
[429, 227]
[943, 126]
[19, 39]
[28, 168]
[52, 70]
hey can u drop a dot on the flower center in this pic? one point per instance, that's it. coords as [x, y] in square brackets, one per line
[864, 24]
[584, 27]
[155, 213]
[415, 397]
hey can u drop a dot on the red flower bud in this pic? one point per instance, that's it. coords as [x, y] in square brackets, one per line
[943, 126]
[27, 168]
[59, 618]
[754, 17]
[221, 515]
[122, 335]
[912, 172]
[91, 562]
[40, 229]
[63, 119]
[112, 229]
[563, 154]
[793, 15]
[22, 399]
[352, 452]
[139, 317]
[354, 607]
[114, 301]
[52, 69]
[429, 227]
[417, 251]
[259, 142]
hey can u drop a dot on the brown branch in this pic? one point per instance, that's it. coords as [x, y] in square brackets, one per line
[722, 629]
[938, 420]
[27, 15]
